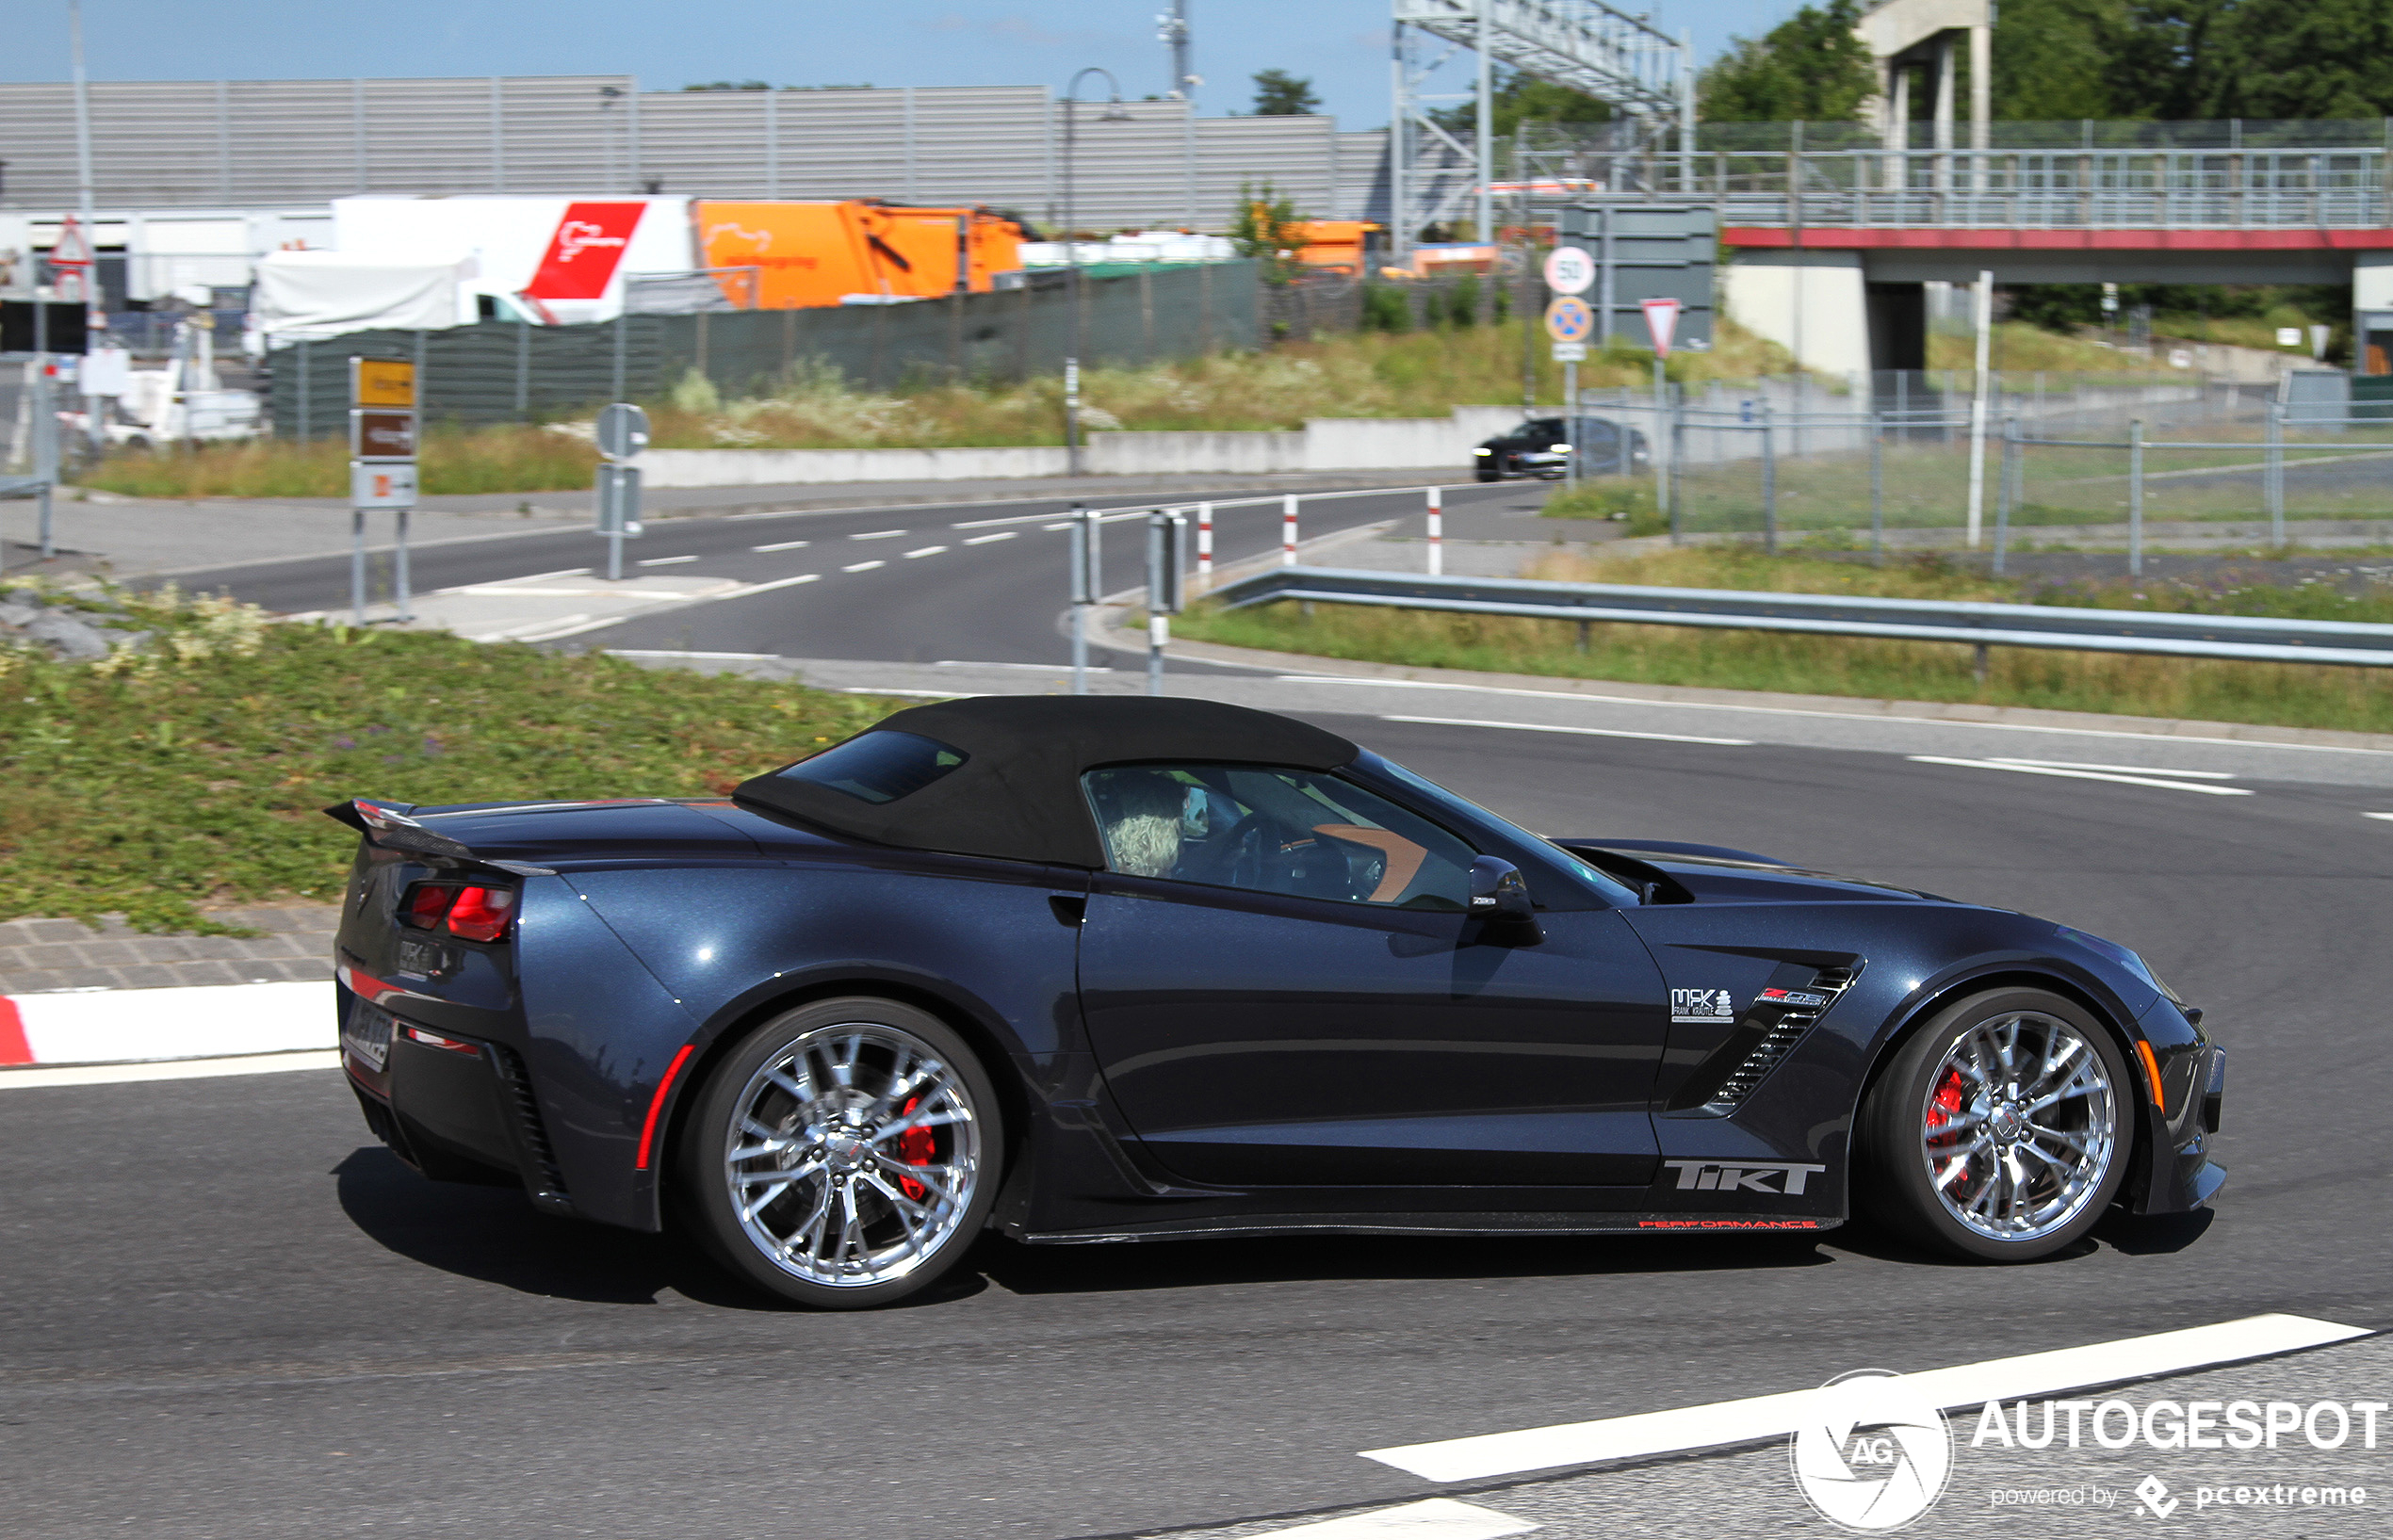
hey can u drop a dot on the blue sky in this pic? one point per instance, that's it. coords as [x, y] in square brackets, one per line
[1342, 44]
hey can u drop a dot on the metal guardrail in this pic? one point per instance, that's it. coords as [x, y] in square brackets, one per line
[2240, 637]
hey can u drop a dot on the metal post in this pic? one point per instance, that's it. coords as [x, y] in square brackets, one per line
[1204, 546]
[1678, 459]
[44, 426]
[1288, 531]
[623, 319]
[1163, 590]
[2135, 497]
[1978, 402]
[2006, 490]
[1437, 531]
[357, 566]
[1769, 482]
[1877, 490]
[1084, 536]
[1661, 464]
[398, 571]
[1570, 421]
[2275, 477]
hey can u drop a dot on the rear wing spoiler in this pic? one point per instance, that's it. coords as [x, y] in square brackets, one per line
[388, 826]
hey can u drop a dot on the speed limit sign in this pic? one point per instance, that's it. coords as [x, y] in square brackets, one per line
[1568, 270]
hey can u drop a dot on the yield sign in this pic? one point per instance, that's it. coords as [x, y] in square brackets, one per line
[1661, 319]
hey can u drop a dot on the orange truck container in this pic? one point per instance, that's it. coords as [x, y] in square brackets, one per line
[808, 254]
[1332, 244]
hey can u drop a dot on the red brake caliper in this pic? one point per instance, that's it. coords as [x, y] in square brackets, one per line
[1945, 1104]
[916, 1148]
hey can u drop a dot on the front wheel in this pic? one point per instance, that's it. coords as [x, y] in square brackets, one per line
[2002, 1129]
[845, 1155]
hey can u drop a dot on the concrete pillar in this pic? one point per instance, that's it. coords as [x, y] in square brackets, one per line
[1981, 100]
[1765, 290]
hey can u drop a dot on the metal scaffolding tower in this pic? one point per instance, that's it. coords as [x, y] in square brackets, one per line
[1583, 44]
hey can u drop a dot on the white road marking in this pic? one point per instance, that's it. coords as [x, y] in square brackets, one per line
[661, 652]
[927, 550]
[984, 539]
[783, 546]
[1065, 524]
[1439, 1519]
[2121, 769]
[1589, 732]
[864, 566]
[2389, 815]
[1019, 518]
[1042, 668]
[572, 626]
[530, 629]
[882, 534]
[893, 690]
[667, 560]
[1760, 1418]
[544, 576]
[781, 582]
[2080, 774]
[1798, 711]
[172, 1069]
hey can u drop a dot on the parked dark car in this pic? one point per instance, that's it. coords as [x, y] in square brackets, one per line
[1542, 447]
[1127, 970]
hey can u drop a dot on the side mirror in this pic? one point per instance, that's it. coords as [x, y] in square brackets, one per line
[1500, 895]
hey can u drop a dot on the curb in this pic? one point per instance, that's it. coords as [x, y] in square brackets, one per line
[133, 1026]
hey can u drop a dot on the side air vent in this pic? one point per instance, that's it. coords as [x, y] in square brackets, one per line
[532, 1134]
[1780, 1041]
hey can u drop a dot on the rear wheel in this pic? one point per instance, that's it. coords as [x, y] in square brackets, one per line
[2002, 1129]
[845, 1155]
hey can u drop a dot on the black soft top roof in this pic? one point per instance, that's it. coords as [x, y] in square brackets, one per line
[1017, 795]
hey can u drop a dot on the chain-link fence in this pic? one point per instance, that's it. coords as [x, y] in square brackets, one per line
[2078, 462]
[505, 371]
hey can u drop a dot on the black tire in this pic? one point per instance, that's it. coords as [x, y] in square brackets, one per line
[848, 1145]
[2011, 1191]
[1488, 475]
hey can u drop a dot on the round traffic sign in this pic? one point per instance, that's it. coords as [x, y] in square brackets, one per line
[1569, 319]
[1568, 270]
[623, 431]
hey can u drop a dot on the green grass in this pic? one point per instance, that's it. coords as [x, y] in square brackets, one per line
[455, 461]
[2276, 694]
[193, 773]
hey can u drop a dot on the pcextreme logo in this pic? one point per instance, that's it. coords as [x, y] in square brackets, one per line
[1873, 1452]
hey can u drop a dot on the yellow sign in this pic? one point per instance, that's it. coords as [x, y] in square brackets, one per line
[382, 381]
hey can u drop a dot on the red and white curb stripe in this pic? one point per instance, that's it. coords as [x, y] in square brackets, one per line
[85, 1037]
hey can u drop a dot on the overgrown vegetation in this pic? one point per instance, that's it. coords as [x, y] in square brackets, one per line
[2278, 695]
[510, 457]
[192, 772]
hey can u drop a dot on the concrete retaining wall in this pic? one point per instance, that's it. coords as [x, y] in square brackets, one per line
[1326, 443]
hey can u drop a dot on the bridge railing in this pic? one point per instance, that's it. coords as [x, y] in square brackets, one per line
[2239, 174]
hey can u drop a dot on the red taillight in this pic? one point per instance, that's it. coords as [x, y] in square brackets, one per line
[428, 905]
[476, 914]
[480, 913]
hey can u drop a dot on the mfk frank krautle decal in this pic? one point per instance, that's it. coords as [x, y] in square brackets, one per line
[1701, 1005]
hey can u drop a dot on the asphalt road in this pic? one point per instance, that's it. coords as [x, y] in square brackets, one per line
[913, 584]
[226, 1311]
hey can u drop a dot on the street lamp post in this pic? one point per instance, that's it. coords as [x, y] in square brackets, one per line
[1114, 113]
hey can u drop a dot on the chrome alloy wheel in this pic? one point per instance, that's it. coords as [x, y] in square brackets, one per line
[854, 1155]
[2020, 1126]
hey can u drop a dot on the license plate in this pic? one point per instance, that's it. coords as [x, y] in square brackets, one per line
[366, 1037]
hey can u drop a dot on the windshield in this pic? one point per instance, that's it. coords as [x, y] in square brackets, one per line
[1611, 890]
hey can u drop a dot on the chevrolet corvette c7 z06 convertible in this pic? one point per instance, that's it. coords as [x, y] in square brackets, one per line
[1124, 969]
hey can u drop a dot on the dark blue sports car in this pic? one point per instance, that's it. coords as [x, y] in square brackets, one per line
[1129, 970]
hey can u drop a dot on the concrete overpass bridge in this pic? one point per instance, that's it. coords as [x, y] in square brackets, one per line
[1836, 227]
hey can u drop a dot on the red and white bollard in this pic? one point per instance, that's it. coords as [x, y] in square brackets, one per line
[1205, 545]
[1288, 532]
[1437, 531]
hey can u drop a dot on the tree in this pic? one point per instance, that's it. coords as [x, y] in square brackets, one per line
[1810, 66]
[1515, 98]
[2055, 60]
[728, 86]
[1264, 229]
[2297, 58]
[1279, 94]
